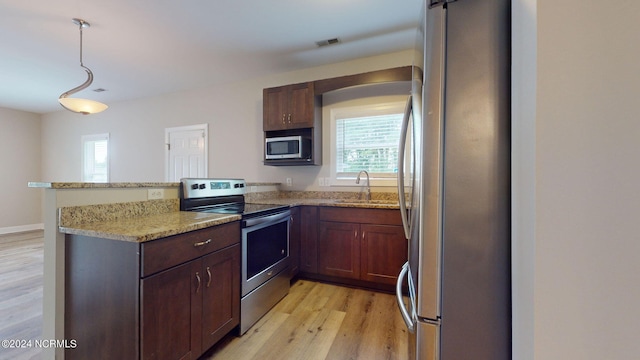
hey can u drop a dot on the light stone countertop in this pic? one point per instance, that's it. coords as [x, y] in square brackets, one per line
[156, 226]
[153, 219]
[88, 185]
[114, 185]
[152, 227]
[346, 203]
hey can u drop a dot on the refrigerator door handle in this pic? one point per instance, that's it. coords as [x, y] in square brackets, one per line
[408, 319]
[401, 150]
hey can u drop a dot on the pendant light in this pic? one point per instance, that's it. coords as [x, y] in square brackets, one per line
[77, 105]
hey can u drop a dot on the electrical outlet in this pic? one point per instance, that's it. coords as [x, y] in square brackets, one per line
[155, 194]
[321, 181]
[289, 182]
[327, 181]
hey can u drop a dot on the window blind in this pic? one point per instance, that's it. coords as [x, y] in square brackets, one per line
[368, 143]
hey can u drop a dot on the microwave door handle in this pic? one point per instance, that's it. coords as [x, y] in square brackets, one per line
[401, 152]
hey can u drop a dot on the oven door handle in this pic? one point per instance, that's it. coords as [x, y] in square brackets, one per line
[267, 219]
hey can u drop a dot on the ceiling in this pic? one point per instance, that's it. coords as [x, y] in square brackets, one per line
[142, 48]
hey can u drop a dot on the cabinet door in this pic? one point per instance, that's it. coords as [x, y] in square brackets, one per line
[384, 251]
[171, 313]
[339, 249]
[274, 108]
[300, 106]
[294, 241]
[220, 294]
[309, 239]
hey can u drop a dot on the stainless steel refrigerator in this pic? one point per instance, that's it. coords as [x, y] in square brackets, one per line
[457, 220]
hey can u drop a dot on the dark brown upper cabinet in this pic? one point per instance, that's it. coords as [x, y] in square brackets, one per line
[290, 107]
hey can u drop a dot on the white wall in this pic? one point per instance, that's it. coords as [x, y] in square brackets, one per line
[233, 112]
[20, 206]
[576, 229]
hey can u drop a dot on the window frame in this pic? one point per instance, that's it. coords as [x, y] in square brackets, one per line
[85, 139]
[355, 111]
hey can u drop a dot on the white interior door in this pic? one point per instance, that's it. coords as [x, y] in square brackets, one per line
[186, 152]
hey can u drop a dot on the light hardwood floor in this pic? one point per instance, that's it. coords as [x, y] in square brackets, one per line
[322, 321]
[315, 321]
[21, 291]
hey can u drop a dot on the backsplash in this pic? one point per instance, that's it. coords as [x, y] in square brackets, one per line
[262, 191]
[337, 195]
[75, 215]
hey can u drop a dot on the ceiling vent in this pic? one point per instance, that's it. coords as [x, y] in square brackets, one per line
[327, 42]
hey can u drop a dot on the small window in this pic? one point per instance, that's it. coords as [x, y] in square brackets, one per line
[366, 138]
[95, 158]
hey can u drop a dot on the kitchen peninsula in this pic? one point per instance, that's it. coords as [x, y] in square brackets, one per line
[68, 194]
[162, 286]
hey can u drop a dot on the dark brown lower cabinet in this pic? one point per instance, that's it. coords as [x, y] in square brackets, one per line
[339, 249]
[361, 244]
[187, 309]
[309, 239]
[383, 252]
[170, 298]
[168, 320]
[294, 241]
[220, 294]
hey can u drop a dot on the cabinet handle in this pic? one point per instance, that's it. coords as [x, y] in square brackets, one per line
[202, 243]
[283, 116]
[289, 119]
[209, 275]
[198, 277]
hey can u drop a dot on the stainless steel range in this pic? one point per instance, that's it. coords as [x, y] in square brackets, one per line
[265, 241]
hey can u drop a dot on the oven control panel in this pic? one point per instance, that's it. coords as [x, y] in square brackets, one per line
[201, 188]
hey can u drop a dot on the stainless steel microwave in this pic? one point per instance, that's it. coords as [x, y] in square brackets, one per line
[287, 147]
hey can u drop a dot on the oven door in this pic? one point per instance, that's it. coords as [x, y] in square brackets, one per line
[265, 249]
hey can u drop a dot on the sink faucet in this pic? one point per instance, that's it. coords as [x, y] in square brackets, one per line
[368, 183]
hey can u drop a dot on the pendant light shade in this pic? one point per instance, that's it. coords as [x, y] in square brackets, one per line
[78, 105]
[82, 106]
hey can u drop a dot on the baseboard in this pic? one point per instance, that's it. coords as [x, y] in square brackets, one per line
[19, 229]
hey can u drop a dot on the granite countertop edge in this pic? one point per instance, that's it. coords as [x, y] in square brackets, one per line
[87, 185]
[115, 185]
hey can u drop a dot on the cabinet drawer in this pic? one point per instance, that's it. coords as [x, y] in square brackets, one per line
[361, 215]
[164, 253]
